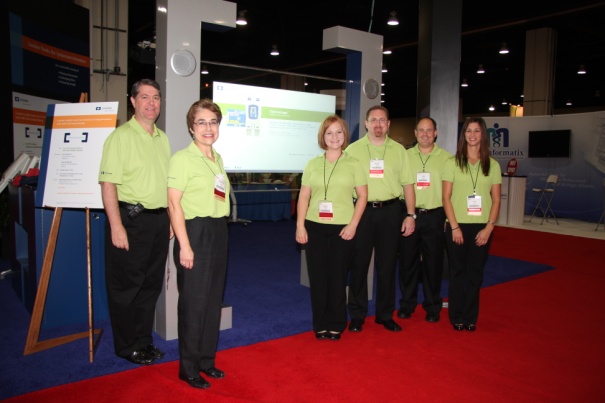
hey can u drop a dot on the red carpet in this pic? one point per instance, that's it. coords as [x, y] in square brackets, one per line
[539, 339]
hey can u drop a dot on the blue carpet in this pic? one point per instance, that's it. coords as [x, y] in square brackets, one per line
[263, 287]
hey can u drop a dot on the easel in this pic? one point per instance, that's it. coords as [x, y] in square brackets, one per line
[32, 344]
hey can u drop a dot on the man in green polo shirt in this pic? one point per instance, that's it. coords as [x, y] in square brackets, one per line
[387, 166]
[133, 178]
[422, 251]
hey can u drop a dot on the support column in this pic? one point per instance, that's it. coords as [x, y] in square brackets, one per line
[439, 53]
[539, 79]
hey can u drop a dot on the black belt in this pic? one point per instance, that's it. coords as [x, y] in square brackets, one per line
[427, 211]
[129, 207]
[379, 204]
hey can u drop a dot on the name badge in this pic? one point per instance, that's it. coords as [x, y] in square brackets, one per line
[219, 187]
[423, 180]
[376, 168]
[326, 210]
[473, 205]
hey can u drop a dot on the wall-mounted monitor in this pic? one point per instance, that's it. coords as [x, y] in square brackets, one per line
[549, 144]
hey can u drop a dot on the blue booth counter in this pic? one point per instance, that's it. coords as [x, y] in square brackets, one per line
[262, 201]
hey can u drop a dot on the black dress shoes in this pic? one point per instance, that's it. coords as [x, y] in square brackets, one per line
[334, 335]
[323, 335]
[140, 357]
[432, 317]
[155, 352]
[458, 326]
[403, 313]
[471, 327]
[213, 372]
[356, 325]
[199, 382]
[389, 324]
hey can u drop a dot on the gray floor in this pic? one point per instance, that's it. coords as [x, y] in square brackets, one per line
[565, 227]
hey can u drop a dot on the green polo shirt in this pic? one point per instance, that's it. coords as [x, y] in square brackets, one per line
[428, 197]
[462, 187]
[193, 174]
[397, 171]
[333, 182]
[137, 163]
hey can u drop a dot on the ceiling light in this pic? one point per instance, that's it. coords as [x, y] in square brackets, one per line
[306, 83]
[204, 70]
[480, 69]
[387, 52]
[241, 18]
[568, 103]
[274, 51]
[464, 83]
[393, 19]
[503, 49]
[504, 102]
[384, 68]
[582, 69]
[491, 108]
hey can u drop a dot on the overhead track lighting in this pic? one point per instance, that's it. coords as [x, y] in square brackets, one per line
[384, 68]
[582, 69]
[480, 69]
[503, 49]
[241, 18]
[393, 19]
[274, 51]
[464, 83]
[204, 70]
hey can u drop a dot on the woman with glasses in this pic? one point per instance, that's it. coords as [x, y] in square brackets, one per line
[471, 182]
[326, 223]
[198, 202]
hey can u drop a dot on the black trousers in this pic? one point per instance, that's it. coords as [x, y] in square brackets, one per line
[422, 254]
[379, 229]
[201, 291]
[328, 258]
[466, 265]
[134, 279]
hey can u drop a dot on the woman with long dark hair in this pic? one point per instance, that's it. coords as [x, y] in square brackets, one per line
[471, 199]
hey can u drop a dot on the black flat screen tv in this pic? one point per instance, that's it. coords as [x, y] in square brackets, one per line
[549, 144]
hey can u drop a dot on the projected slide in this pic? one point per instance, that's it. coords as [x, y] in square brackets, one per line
[269, 130]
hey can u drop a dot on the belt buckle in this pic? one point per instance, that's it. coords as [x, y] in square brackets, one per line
[376, 204]
[422, 211]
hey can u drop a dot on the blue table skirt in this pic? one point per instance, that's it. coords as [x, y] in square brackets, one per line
[263, 202]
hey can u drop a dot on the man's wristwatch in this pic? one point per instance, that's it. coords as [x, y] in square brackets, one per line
[411, 215]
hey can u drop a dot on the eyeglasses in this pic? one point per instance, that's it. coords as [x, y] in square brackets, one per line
[211, 124]
[381, 121]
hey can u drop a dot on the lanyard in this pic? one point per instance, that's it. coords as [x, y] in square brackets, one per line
[423, 162]
[210, 168]
[329, 177]
[476, 177]
[383, 154]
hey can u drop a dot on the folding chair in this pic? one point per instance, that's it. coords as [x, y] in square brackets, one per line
[545, 200]
[602, 214]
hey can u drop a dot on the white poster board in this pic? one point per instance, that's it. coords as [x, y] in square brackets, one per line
[73, 143]
[29, 114]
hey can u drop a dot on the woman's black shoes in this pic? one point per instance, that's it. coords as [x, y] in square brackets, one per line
[458, 326]
[325, 335]
[470, 327]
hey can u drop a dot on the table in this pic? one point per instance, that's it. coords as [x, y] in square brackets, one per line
[262, 201]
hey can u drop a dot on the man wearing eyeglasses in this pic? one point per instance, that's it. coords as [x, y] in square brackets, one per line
[133, 178]
[389, 179]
